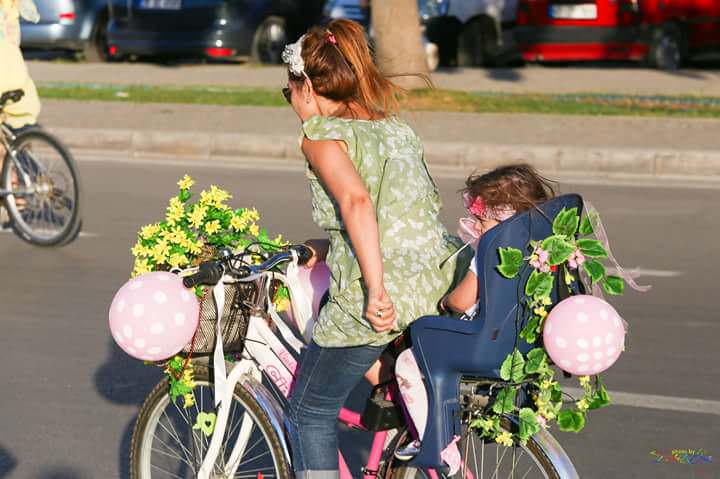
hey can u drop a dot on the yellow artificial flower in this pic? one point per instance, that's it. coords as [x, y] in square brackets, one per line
[175, 211]
[141, 267]
[254, 230]
[282, 305]
[582, 404]
[147, 232]
[188, 378]
[197, 216]
[540, 403]
[237, 223]
[546, 301]
[568, 278]
[177, 260]
[194, 247]
[278, 240]
[504, 438]
[540, 311]
[161, 251]
[252, 214]
[140, 250]
[188, 400]
[218, 195]
[212, 227]
[546, 384]
[584, 380]
[185, 183]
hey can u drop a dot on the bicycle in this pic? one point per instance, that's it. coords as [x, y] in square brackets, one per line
[248, 440]
[39, 183]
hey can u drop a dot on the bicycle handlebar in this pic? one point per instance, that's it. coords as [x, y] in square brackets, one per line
[11, 96]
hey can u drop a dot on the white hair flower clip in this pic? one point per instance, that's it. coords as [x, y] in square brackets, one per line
[292, 55]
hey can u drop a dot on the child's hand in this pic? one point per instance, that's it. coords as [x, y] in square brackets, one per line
[380, 311]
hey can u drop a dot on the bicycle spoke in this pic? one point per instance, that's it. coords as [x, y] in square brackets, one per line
[172, 474]
[498, 462]
[176, 438]
[174, 456]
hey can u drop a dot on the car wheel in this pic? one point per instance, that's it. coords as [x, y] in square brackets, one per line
[667, 51]
[270, 40]
[97, 49]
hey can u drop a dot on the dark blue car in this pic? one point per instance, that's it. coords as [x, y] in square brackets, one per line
[225, 29]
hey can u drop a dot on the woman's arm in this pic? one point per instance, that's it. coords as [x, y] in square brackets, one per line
[338, 175]
[464, 296]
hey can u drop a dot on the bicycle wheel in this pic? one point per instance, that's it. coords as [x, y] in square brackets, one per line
[487, 459]
[165, 445]
[44, 207]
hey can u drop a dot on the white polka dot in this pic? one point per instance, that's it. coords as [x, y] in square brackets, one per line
[179, 319]
[566, 363]
[610, 351]
[582, 368]
[597, 342]
[140, 343]
[120, 306]
[583, 358]
[138, 310]
[157, 328]
[609, 338]
[548, 328]
[118, 337]
[561, 342]
[163, 278]
[185, 296]
[154, 351]
[160, 297]
[127, 331]
[604, 314]
[616, 321]
[598, 354]
[597, 367]
[137, 284]
[582, 317]
[579, 300]
[582, 344]
[131, 350]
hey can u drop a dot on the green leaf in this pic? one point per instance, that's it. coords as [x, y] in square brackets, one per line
[594, 269]
[556, 393]
[599, 398]
[566, 222]
[539, 284]
[511, 260]
[571, 421]
[505, 401]
[536, 359]
[592, 248]
[614, 285]
[559, 249]
[512, 368]
[529, 424]
[586, 227]
[184, 195]
[529, 332]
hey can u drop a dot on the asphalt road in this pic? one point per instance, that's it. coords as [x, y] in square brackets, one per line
[68, 396]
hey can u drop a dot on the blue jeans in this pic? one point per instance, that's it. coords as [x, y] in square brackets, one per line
[324, 381]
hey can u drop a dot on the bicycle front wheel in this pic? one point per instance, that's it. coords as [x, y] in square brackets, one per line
[166, 442]
[44, 204]
[486, 459]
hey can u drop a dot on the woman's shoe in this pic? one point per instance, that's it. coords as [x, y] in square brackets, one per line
[408, 452]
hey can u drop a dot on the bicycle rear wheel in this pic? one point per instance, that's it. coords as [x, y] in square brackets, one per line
[486, 459]
[165, 445]
[44, 206]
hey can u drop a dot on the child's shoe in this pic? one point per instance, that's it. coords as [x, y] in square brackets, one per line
[408, 452]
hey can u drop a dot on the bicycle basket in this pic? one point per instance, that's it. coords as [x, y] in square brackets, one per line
[235, 317]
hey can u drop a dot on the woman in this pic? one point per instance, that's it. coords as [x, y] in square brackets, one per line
[14, 72]
[372, 194]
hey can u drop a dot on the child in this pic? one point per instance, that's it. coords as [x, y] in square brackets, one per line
[490, 199]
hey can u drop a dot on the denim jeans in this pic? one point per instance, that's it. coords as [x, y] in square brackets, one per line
[324, 381]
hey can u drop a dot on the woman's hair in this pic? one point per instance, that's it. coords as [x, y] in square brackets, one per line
[519, 186]
[340, 66]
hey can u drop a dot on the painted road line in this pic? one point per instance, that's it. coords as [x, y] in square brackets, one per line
[654, 273]
[649, 401]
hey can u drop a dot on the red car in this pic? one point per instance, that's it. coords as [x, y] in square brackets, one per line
[662, 32]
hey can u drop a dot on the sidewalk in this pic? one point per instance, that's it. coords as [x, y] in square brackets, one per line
[650, 147]
[531, 79]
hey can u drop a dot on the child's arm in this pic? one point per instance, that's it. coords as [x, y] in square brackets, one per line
[464, 296]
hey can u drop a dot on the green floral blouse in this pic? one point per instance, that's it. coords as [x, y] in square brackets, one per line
[388, 156]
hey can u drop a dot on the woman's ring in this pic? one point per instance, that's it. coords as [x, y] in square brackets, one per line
[379, 313]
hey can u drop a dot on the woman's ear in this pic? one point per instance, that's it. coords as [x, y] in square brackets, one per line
[308, 91]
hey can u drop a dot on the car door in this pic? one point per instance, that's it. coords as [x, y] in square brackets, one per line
[174, 15]
[56, 11]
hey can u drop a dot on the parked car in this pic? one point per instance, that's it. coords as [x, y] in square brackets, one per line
[663, 32]
[76, 25]
[224, 29]
[472, 32]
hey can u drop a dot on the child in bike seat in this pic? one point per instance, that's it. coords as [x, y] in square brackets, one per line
[490, 199]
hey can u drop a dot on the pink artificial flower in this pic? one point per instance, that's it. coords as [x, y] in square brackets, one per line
[542, 421]
[475, 206]
[543, 255]
[576, 259]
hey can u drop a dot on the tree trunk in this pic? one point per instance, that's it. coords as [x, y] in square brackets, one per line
[398, 42]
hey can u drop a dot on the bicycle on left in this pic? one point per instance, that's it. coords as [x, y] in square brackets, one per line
[39, 183]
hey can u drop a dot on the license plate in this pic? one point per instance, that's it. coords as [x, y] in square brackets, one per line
[585, 11]
[161, 4]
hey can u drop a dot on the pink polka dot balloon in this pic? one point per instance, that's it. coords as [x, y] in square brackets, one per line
[153, 316]
[584, 335]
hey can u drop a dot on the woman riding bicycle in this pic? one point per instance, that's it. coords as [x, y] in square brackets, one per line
[373, 196]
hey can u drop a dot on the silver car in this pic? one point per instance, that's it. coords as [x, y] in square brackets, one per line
[76, 25]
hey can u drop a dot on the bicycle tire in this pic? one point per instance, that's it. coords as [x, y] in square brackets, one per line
[400, 470]
[159, 396]
[71, 227]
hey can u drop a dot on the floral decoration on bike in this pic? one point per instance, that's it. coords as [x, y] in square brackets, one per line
[558, 259]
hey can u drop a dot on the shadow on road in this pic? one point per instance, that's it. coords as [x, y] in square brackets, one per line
[504, 74]
[7, 462]
[62, 472]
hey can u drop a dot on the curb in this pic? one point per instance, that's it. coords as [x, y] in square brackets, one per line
[644, 162]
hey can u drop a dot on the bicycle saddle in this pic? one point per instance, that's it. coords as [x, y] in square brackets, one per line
[447, 349]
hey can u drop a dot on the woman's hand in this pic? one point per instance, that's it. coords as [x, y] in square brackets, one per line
[380, 311]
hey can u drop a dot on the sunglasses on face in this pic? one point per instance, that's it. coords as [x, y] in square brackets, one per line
[287, 93]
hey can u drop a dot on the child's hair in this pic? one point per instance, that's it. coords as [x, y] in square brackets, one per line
[340, 66]
[519, 186]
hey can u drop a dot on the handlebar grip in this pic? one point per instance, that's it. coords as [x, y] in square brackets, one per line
[304, 253]
[208, 273]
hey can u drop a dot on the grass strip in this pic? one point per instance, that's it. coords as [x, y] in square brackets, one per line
[421, 100]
